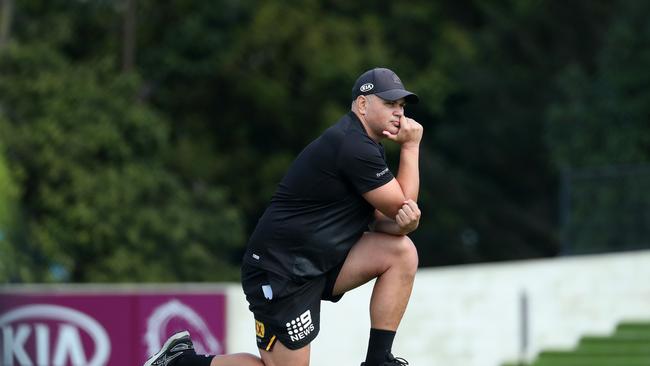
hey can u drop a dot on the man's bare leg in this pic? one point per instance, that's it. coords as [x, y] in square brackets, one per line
[282, 356]
[393, 261]
[237, 359]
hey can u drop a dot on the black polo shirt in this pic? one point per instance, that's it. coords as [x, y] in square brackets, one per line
[317, 212]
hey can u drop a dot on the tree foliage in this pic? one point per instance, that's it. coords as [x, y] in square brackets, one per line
[8, 218]
[598, 134]
[602, 117]
[158, 173]
[102, 204]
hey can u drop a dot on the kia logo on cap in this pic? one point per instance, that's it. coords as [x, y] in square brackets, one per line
[57, 335]
[366, 87]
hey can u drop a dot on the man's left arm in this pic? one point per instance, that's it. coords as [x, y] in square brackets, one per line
[406, 220]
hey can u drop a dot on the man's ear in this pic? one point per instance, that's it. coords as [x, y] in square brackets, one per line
[362, 104]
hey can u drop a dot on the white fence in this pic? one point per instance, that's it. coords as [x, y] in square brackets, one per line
[471, 315]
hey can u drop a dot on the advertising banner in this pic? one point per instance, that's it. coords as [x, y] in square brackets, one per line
[102, 328]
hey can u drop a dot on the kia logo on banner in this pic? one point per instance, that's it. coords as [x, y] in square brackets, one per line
[46, 325]
[104, 328]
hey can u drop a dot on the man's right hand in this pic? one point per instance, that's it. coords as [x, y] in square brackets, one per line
[409, 133]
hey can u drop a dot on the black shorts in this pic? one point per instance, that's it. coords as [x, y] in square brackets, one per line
[286, 310]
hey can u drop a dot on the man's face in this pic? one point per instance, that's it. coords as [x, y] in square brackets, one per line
[383, 115]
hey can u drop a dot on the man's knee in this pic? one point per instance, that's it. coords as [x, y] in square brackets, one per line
[406, 254]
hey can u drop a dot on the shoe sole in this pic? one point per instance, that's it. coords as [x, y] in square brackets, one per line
[163, 349]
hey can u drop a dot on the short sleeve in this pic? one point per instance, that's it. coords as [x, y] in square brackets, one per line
[363, 164]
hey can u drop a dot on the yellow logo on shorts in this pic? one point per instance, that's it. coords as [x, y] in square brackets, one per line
[259, 328]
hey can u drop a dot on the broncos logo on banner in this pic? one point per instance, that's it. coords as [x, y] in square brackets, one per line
[204, 341]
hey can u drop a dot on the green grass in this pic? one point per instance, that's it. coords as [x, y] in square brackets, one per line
[629, 345]
[593, 361]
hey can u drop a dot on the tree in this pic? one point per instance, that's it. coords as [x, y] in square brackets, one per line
[598, 134]
[8, 220]
[128, 43]
[101, 205]
[6, 17]
[234, 89]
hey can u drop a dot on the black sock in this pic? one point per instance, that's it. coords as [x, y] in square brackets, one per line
[193, 360]
[380, 343]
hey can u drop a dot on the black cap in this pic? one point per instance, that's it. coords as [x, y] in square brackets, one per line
[384, 83]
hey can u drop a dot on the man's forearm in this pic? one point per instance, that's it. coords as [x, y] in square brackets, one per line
[408, 174]
[387, 226]
[383, 224]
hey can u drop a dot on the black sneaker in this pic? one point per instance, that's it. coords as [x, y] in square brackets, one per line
[175, 346]
[391, 361]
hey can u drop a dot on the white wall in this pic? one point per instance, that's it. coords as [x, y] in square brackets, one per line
[469, 315]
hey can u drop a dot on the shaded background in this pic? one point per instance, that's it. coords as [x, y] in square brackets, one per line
[140, 140]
